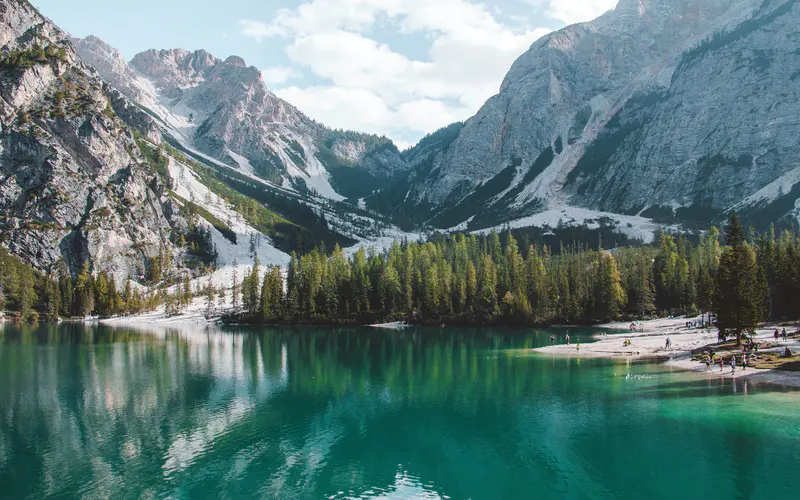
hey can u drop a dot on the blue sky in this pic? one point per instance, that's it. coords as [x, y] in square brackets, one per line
[402, 68]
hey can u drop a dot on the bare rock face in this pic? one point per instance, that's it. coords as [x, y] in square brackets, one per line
[672, 107]
[223, 109]
[74, 186]
[725, 128]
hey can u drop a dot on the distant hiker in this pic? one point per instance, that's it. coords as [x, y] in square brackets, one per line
[552, 340]
[708, 363]
[721, 364]
[568, 339]
[744, 362]
[733, 363]
[784, 334]
[578, 348]
[776, 334]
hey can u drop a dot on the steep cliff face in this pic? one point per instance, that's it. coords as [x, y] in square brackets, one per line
[223, 109]
[724, 128]
[73, 184]
[632, 113]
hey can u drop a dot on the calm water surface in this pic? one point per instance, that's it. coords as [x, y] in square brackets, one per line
[340, 413]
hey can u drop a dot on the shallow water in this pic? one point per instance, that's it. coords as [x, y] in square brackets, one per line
[340, 413]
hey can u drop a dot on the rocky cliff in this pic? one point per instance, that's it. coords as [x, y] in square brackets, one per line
[223, 109]
[673, 109]
[73, 184]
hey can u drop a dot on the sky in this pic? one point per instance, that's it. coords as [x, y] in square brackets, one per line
[400, 68]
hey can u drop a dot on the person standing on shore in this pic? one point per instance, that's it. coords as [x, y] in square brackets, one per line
[744, 362]
[552, 340]
[733, 363]
[721, 364]
[567, 339]
[784, 334]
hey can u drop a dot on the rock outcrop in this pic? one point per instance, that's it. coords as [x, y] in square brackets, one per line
[74, 186]
[223, 109]
[674, 109]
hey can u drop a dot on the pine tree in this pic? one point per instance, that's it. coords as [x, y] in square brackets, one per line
[609, 295]
[234, 289]
[84, 296]
[127, 297]
[487, 290]
[52, 297]
[210, 297]
[737, 301]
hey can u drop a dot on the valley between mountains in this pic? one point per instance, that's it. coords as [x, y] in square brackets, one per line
[658, 114]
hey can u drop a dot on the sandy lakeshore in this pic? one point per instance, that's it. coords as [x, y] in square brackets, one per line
[650, 344]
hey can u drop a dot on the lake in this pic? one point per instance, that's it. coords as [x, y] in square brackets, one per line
[95, 411]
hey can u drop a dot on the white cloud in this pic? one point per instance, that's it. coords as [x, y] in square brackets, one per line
[369, 86]
[574, 11]
[361, 109]
[257, 30]
[277, 75]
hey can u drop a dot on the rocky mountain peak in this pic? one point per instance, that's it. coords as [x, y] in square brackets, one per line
[174, 68]
[109, 62]
[590, 107]
[236, 61]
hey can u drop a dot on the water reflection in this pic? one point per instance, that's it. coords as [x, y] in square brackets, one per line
[310, 413]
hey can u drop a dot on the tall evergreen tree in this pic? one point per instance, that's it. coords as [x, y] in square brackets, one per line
[737, 301]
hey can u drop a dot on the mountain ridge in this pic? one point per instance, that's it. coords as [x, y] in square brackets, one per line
[224, 109]
[559, 106]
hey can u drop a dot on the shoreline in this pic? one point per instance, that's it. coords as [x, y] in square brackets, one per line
[649, 346]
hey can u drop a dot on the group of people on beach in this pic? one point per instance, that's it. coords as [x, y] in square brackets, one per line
[712, 354]
[778, 335]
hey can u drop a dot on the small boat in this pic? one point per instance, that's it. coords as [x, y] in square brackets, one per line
[397, 325]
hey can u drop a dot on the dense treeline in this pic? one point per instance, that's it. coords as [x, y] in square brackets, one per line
[472, 279]
[29, 295]
[489, 279]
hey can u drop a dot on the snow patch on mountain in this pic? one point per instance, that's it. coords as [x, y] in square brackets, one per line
[630, 225]
[774, 190]
[244, 163]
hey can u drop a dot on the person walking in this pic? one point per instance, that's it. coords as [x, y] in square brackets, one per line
[567, 339]
[733, 363]
[744, 362]
[784, 334]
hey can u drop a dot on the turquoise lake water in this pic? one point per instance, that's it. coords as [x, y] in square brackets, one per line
[99, 412]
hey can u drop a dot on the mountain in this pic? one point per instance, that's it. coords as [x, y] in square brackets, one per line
[658, 112]
[674, 110]
[74, 185]
[223, 109]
